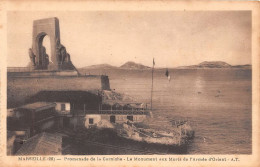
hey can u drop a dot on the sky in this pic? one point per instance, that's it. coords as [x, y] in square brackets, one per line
[172, 38]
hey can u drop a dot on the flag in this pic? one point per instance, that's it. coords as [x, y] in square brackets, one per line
[153, 62]
[168, 75]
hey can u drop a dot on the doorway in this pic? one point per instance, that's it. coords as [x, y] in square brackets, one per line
[113, 119]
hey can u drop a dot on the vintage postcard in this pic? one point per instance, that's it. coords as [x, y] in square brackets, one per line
[129, 83]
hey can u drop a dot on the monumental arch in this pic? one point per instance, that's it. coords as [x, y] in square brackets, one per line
[57, 75]
[60, 59]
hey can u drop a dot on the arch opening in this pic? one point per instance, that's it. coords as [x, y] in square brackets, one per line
[46, 43]
[44, 50]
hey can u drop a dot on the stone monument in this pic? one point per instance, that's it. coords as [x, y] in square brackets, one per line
[60, 59]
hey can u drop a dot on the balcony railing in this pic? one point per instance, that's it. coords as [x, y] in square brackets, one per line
[124, 112]
[75, 112]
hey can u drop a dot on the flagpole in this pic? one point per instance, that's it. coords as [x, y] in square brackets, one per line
[152, 87]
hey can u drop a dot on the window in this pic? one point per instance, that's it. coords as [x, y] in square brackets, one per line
[112, 119]
[63, 107]
[130, 117]
[91, 120]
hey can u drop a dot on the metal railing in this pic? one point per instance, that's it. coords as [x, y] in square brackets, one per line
[75, 112]
[124, 112]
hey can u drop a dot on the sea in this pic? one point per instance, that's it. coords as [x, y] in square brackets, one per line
[216, 102]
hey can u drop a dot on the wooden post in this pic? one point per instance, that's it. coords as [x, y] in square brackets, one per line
[33, 122]
[152, 87]
[84, 109]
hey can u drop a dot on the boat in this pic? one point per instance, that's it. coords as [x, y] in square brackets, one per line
[178, 136]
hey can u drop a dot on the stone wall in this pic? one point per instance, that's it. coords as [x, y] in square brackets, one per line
[19, 89]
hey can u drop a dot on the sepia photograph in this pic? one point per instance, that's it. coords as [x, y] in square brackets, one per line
[139, 83]
[120, 83]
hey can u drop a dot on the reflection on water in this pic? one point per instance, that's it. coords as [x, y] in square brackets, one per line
[217, 102]
[199, 84]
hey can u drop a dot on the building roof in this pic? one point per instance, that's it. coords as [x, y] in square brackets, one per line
[66, 96]
[42, 144]
[38, 106]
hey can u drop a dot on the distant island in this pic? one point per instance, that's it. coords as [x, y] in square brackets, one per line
[214, 64]
[100, 66]
[132, 66]
[127, 65]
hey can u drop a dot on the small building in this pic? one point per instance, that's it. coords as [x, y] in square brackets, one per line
[87, 108]
[71, 106]
[34, 118]
[118, 112]
[95, 119]
[26, 121]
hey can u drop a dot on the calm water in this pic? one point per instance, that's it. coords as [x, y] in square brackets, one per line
[217, 102]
